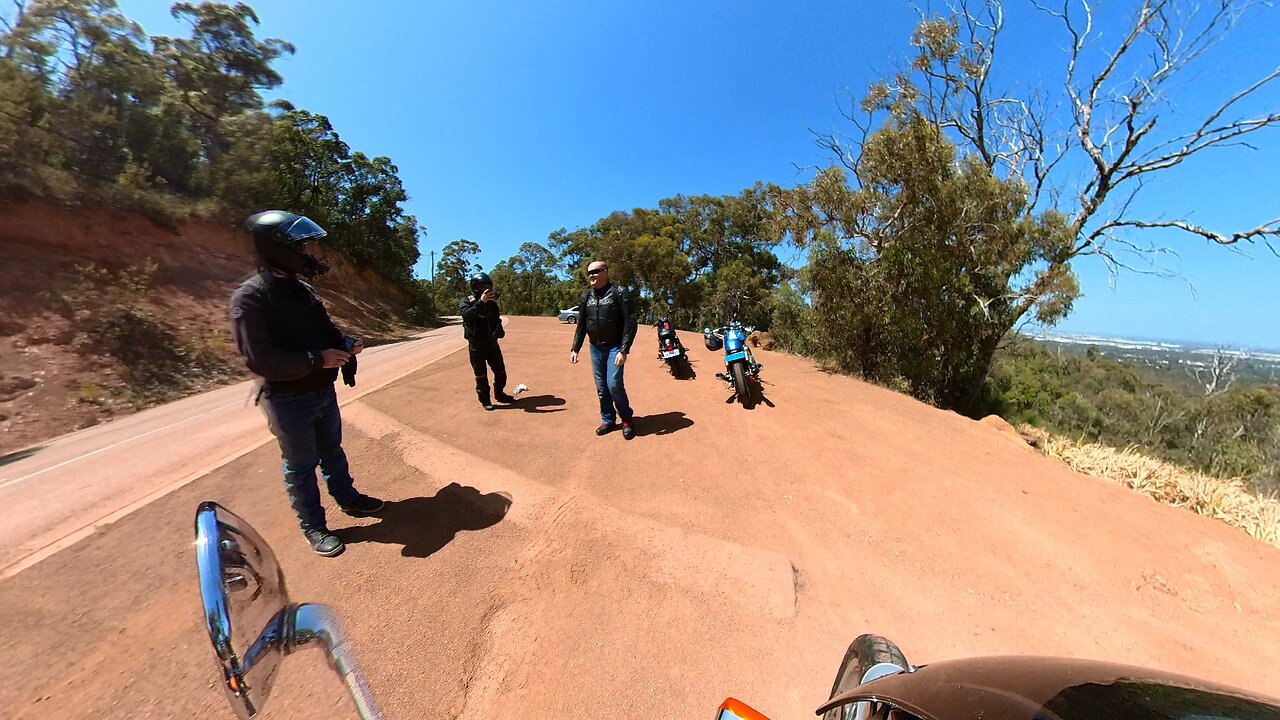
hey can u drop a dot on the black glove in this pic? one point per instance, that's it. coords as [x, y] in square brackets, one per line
[349, 372]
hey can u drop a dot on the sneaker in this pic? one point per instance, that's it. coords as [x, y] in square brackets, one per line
[324, 542]
[504, 398]
[628, 431]
[606, 428]
[363, 505]
[488, 406]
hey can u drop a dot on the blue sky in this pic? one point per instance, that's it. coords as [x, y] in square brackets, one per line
[509, 120]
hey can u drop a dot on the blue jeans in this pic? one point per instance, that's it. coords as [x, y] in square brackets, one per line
[609, 385]
[308, 427]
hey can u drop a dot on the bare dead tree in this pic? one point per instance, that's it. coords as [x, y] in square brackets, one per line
[1218, 376]
[1161, 417]
[1110, 117]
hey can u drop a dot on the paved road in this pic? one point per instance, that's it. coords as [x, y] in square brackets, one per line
[53, 497]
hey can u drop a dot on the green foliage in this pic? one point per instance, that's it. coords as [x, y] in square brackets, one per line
[457, 263]
[713, 255]
[89, 112]
[792, 322]
[1231, 434]
[422, 311]
[109, 311]
[528, 282]
[921, 267]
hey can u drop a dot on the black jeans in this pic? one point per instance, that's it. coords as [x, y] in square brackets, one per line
[487, 352]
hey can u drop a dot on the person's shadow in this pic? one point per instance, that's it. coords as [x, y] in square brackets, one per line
[662, 424]
[535, 404]
[423, 525]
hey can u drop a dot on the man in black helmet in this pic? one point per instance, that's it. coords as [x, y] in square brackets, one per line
[482, 326]
[286, 338]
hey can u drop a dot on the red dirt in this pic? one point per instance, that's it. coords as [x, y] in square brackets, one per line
[652, 578]
[48, 387]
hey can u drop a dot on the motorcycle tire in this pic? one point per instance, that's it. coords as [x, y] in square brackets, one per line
[864, 652]
[740, 384]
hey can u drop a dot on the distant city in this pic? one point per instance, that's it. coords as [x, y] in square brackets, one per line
[1253, 365]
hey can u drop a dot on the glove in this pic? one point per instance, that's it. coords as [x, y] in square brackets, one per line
[349, 372]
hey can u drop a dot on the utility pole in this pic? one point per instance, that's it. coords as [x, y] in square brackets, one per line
[433, 274]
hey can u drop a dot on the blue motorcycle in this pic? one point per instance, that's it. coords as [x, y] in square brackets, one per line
[741, 368]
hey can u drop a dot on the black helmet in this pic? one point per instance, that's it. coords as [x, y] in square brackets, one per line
[279, 238]
[479, 279]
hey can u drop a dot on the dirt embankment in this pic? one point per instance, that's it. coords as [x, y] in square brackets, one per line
[52, 379]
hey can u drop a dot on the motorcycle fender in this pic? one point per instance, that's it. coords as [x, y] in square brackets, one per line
[729, 359]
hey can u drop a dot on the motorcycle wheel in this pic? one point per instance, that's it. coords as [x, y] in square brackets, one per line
[864, 652]
[740, 384]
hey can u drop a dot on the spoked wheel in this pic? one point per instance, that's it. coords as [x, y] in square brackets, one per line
[864, 653]
[740, 384]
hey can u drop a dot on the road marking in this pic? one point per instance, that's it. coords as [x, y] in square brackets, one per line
[116, 444]
[76, 536]
[139, 436]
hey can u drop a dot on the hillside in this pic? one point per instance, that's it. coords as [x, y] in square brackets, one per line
[524, 567]
[54, 380]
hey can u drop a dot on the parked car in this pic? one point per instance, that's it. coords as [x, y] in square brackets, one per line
[570, 316]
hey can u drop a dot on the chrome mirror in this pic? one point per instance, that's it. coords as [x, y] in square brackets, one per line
[250, 620]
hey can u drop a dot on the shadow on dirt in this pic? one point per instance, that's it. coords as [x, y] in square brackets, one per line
[683, 370]
[757, 398]
[535, 404]
[661, 424]
[424, 525]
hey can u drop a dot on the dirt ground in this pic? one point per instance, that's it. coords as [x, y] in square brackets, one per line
[526, 568]
[50, 386]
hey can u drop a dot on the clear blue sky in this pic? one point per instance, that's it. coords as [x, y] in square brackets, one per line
[509, 120]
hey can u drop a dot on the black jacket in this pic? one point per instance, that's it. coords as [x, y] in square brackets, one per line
[607, 317]
[481, 321]
[280, 328]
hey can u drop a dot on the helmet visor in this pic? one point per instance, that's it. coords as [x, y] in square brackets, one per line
[303, 230]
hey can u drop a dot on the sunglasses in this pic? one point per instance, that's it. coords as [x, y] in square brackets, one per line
[597, 272]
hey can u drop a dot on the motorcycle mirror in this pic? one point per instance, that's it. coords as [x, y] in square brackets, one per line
[706, 331]
[732, 709]
[250, 620]
[245, 605]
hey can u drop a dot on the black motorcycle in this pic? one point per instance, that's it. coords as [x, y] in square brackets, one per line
[670, 349]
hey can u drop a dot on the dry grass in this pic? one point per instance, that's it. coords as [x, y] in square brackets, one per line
[1228, 500]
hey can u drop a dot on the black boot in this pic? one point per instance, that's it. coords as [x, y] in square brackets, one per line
[324, 542]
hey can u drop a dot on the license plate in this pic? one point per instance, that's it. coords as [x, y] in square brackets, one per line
[669, 354]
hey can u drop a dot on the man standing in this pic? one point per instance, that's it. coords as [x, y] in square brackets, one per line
[605, 315]
[286, 338]
[482, 327]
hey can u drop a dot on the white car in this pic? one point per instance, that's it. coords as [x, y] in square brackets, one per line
[570, 316]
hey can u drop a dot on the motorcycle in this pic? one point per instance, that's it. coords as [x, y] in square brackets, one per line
[252, 625]
[670, 349]
[875, 682]
[741, 368]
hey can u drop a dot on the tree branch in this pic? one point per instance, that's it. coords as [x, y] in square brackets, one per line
[1268, 229]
